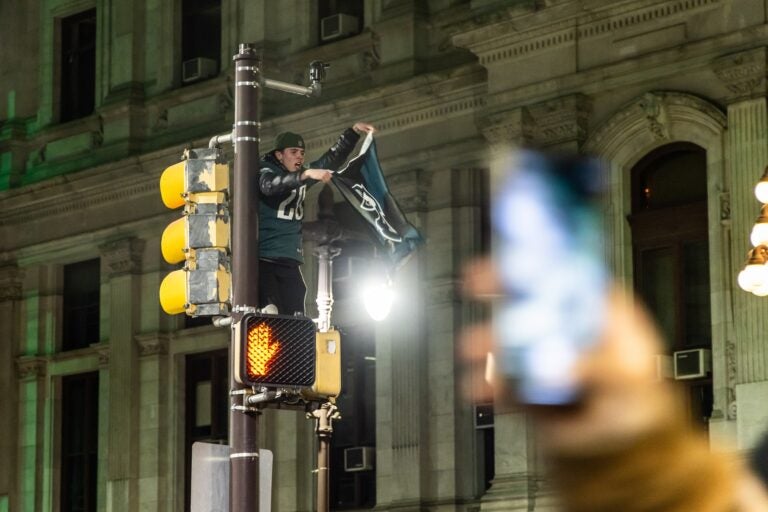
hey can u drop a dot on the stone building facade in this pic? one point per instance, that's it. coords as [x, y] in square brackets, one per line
[100, 413]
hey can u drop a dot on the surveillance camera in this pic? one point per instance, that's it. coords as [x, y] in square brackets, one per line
[317, 71]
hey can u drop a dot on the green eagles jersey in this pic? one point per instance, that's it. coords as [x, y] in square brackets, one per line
[281, 207]
[280, 217]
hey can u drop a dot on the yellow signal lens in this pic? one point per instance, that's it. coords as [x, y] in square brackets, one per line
[172, 185]
[173, 292]
[260, 351]
[173, 241]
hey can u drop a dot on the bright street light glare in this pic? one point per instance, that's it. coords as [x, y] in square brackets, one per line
[378, 297]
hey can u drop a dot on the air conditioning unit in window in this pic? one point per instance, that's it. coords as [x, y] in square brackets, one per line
[692, 364]
[336, 26]
[358, 458]
[196, 69]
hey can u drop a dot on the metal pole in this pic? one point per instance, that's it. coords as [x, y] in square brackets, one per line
[325, 254]
[243, 418]
[324, 416]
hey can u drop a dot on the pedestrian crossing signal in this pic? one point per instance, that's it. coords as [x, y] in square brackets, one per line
[281, 351]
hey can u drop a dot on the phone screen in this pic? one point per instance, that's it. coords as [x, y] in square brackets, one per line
[548, 249]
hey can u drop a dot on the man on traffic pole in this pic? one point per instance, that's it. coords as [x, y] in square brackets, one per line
[283, 182]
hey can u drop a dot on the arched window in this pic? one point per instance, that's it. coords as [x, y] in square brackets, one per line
[671, 257]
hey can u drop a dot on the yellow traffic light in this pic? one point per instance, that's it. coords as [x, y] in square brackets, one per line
[200, 239]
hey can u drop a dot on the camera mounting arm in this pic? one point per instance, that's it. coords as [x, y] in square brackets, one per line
[316, 76]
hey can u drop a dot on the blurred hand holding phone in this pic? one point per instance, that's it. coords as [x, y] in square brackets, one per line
[548, 251]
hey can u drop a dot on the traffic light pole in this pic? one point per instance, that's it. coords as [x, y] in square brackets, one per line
[244, 418]
[324, 416]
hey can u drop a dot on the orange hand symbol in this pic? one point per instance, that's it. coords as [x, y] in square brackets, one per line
[261, 350]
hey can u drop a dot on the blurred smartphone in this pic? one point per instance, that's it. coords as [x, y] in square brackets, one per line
[548, 248]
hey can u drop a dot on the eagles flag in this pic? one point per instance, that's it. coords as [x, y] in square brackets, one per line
[362, 184]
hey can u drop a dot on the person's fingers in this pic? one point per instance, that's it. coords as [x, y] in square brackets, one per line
[481, 280]
[475, 345]
[475, 342]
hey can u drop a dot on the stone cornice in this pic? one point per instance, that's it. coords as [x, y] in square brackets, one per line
[11, 280]
[64, 202]
[743, 73]
[419, 101]
[560, 120]
[155, 344]
[31, 367]
[411, 189]
[443, 292]
[500, 37]
[121, 257]
[102, 351]
[511, 127]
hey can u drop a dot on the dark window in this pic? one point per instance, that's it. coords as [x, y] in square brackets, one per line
[201, 31]
[196, 321]
[671, 256]
[206, 404]
[339, 19]
[80, 326]
[79, 441]
[670, 238]
[357, 426]
[78, 65]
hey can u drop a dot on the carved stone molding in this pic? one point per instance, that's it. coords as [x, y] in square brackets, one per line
[31, 367]
[410, 188]
[725, 208]
[121, 257]
[152, 344]
[656, 112]
[743, 73]
[730, 378]
[513, 127]
[102, 351]
[656, 115]
[443, 292]
[561, 120]
[11, 278]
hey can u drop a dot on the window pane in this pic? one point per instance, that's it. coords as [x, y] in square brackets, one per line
[79, 442]
[672, 175]
[657, 288]
[78, 65]
[696, 300]
[80, 323]
[201, 29]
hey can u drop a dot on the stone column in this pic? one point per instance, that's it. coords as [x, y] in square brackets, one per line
[559, 124]
[120, 266]
[747, 154]
[153, 433]
[10, 314]
[402, 379]
[31, 372]
[454, 219]
[514, 486]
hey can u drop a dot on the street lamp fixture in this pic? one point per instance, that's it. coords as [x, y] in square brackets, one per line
[759, 235]
[378, 297]
[761, 189]
[754, 277]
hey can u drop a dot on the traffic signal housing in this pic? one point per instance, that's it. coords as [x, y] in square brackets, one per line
[200, 238]
[281, 351]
